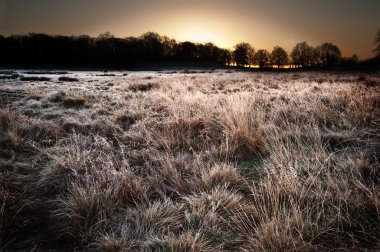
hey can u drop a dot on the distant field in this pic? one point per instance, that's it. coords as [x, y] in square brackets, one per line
[193, 160]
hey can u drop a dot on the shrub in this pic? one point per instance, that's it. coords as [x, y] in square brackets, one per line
[68, 79]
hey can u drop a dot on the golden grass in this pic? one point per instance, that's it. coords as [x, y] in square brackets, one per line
[207, 162]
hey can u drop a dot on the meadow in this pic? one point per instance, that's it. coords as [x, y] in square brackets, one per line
[189, 160]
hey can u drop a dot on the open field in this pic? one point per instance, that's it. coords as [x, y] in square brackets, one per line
[189, 161]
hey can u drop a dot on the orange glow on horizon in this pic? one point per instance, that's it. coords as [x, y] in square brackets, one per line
[202, 28]
[269, 66]
[197, 35]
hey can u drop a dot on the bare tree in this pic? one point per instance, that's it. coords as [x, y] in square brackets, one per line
[303, 55]
[106, 35]
[279, 56]
[329, 54]
[243, 54]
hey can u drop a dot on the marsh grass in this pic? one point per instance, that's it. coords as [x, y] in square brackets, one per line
[208, 162]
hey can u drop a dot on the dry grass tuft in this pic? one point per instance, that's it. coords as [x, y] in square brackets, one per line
[8, 119]
[58, 96]
[184, 134]
[364, 106]
[74, 102]
[10, 122]
[126, 119]
[143, 87]
[83, 213]
[245, 144]
[223, 176]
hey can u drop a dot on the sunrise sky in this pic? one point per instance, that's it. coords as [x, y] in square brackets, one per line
[351, 24]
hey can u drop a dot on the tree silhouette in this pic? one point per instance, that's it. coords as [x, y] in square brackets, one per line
[303, 55]
[225, 57]
[105, 49]
[207, 52]
[82, 49]
[329, 54]
[106, 35]
[262, 58]
[279, 56]
[377, 43]
[187, 51]
[3, 47]
[354, 59]
[152, 44]
[243, 54]
[168, 46]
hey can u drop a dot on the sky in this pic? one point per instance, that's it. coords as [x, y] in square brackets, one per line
[350, 24]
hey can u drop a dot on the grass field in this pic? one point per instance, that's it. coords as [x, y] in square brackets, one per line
[189, 161]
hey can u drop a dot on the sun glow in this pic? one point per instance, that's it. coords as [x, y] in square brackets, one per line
[198, 36]
[202, 27]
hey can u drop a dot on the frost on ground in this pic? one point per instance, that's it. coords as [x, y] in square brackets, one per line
[189, 161]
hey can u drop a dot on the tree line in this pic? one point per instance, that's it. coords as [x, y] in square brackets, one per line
[303, 55]
[105, 51]
[41, 50]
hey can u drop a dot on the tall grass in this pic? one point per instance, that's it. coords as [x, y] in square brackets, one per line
[201, 162]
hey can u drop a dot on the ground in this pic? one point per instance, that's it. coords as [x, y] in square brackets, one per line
[189, 160]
